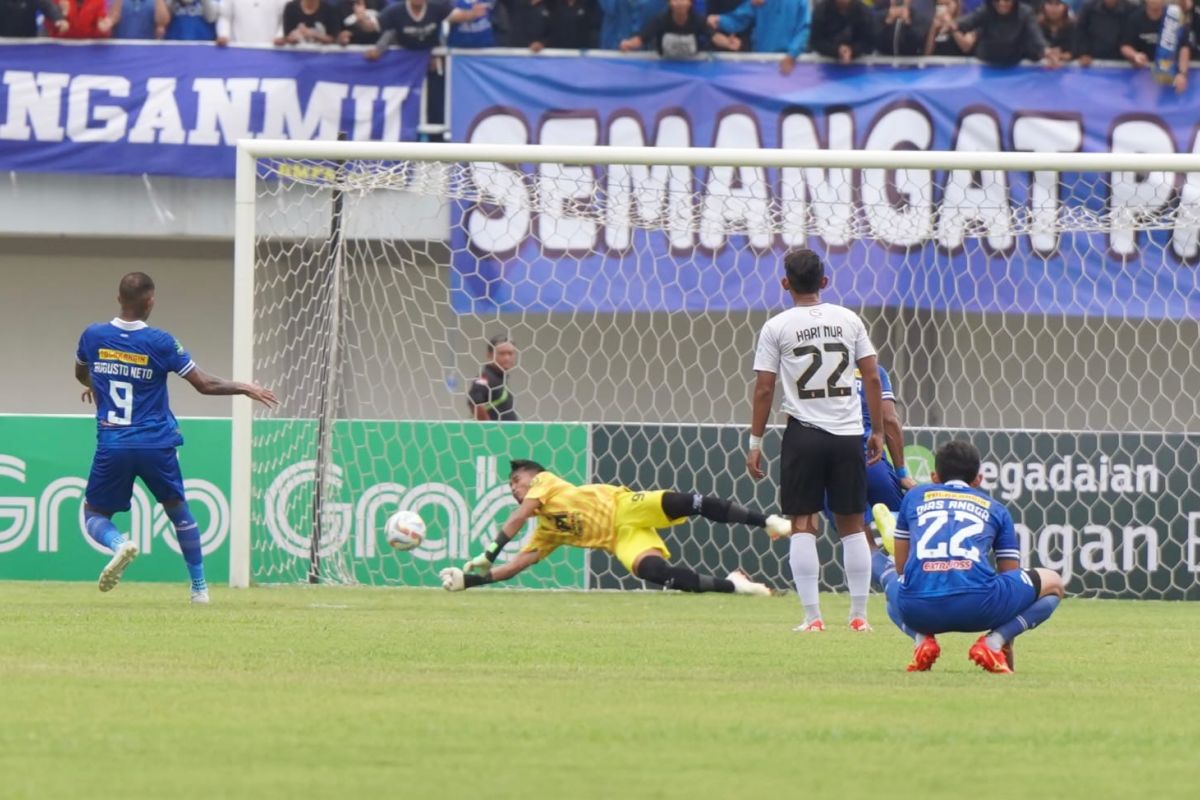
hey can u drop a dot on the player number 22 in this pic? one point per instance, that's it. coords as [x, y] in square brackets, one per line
[931, 523]
[831, 385]
[121, 394]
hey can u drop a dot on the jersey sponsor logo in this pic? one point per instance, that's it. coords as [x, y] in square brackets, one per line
[959, 497]
[947, 566]
[178, 347]
[140, 359]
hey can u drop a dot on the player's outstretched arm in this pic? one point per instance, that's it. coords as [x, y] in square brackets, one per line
[210, 384]
[482, 563]
[455, 580]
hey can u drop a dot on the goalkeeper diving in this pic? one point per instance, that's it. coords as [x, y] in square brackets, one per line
[614, 519]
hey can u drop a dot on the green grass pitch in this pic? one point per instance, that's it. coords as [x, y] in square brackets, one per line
[348, 693]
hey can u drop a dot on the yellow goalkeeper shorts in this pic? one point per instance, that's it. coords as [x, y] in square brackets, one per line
[636, 517]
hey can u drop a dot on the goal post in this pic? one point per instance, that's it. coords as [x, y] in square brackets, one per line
[1038, 303]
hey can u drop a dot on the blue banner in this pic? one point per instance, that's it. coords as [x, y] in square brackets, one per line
[179, 109]
[671, 239]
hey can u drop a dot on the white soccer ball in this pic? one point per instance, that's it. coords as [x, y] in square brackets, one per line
[405, 530]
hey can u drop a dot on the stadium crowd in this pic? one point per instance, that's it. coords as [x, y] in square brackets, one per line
[1000, 32]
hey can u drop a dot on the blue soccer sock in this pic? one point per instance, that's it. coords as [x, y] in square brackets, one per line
[884, 574]
[1027, 620]
[101, 529]
[188, 534]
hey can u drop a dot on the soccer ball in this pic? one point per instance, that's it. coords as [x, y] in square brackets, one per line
[405, 530]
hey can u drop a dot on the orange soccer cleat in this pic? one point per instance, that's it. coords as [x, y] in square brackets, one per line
[989, 659]
[924, 655]
[860, 625]
[815, 626]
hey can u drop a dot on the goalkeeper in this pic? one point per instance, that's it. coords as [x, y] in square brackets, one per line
[609, 518]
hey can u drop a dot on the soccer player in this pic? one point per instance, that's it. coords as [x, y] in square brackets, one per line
[814, 346]
[609, 518]
[886, 481]
[489, 397]
[124, 364]
[942, 540]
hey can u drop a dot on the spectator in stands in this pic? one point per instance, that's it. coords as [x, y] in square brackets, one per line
[188, 20]
[476, 31]
[903, 26]
[360, 21]
[841, 29]
[1008, 33]
[415, 24]
[18, 18]
[136, 19]
[489, 397]
[1142, 28]
[776, 26]
[86, 19]
[528, 24]
[625, 18]
[1058, 29]
[250, 21]
[944, 37]
[720, 8]
[679, 33]
[309, 22]
[574, 25]
[1099, 29]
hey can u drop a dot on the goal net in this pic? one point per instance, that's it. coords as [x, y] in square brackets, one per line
[1043, 306]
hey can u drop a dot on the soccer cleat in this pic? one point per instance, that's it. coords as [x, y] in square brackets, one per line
[989, 659]
[743, 585]
[924, 655]
[110, 576]
[812, 626]
[885, 523]
[860, 625]
[779, 526]
[200, 597]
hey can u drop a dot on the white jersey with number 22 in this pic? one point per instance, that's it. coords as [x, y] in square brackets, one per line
[814, 351]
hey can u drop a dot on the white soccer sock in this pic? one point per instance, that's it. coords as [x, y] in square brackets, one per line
[806, 571]
[856, 562]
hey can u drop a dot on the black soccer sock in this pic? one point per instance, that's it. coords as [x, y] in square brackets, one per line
[657, 570]
[678, 504]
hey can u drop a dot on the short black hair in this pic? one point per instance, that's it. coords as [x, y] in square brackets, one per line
[804, 271]
[496, 341]
[957, 460]
[524, 465]
[135, 289]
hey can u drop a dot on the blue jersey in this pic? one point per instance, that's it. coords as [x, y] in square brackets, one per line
[862, 398]
[951, 529]
[129, 362]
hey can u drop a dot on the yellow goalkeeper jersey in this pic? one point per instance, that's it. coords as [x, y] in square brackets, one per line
[579, 516]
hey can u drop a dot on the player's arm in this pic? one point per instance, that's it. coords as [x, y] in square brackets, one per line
[204, 383]
[83, 375]
[455, 580]
[762, 399]
[873, 389]
[893, 434]
[483, 562]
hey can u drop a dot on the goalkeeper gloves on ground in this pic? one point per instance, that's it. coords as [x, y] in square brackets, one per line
[452, 579]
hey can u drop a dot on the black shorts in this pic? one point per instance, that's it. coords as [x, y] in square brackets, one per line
[815, 464]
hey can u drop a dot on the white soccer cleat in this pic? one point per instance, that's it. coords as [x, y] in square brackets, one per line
[743, 585]
[110, 576]
[200, 597]
[778, 526]
[810, 626]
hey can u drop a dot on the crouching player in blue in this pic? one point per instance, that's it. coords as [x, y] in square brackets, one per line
[942, 542]
[124, 365]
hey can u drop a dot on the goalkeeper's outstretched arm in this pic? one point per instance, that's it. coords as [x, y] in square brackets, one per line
[478, 571]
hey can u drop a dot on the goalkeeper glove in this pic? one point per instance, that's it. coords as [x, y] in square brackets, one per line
[480, 564]
[452, 579]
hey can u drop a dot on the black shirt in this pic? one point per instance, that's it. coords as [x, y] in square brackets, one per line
[694, 26]
[1063, 38]
[528, 22]
[350, 22]
[1005, 39]
[1141, 32]
[1099, 29]
[833, 27]
[573, 26]
[409, 32]
[324, 19]
[490, 391]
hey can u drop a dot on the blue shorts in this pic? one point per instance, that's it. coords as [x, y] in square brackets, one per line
[110, 484]
[1004, 597]
[882, 487]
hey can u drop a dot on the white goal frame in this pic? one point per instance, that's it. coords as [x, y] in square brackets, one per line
[248, 151]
